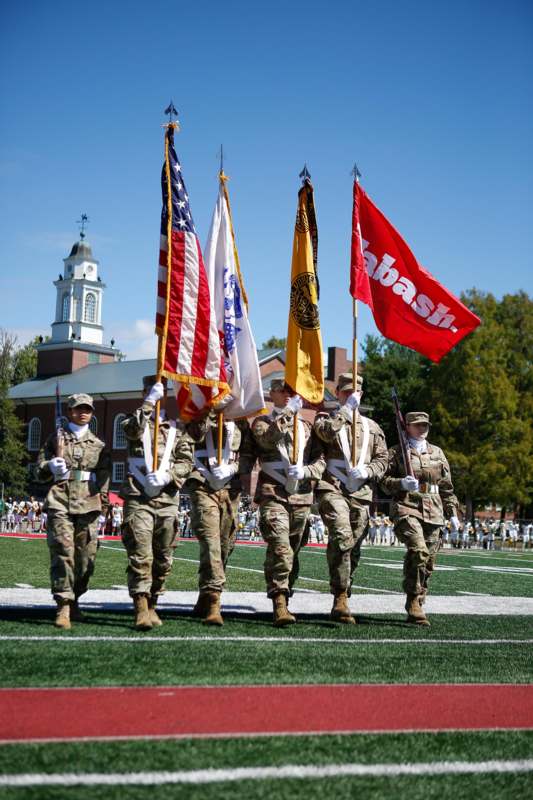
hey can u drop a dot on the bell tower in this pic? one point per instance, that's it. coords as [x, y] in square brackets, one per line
[77, 330]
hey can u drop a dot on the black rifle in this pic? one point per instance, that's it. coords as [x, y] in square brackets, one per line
[402, 434]
[60, 434]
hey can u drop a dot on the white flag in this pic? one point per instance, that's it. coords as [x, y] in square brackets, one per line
[242, 367]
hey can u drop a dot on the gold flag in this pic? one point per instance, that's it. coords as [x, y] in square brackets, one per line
[304, 367]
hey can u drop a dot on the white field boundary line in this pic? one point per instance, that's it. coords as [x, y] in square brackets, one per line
[221, 638]
[260, 572]
[299, 771]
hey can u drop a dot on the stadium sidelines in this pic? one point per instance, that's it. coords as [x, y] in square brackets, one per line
[60, 638]
[298, 771]
[192, 711]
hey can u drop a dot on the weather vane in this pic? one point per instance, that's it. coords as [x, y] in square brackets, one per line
[84, 219]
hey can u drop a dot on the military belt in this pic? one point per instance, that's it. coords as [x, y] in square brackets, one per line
[428, 488]
[79, 475]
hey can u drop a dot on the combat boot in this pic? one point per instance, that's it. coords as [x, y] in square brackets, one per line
[142, 613]
[155, 619]
[63, 615]
[282, 616]
[415, 612]
[341, 611]
[76, 614]
[213, 617]
[201, 607]
[422, 596]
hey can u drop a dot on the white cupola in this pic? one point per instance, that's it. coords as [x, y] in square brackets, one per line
[79, 297]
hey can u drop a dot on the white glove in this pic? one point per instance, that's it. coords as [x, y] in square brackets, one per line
[157, 392]
[58, 467]
[224, 471]
[359, 473]
[454, 523]
[353, 400]
[410, 484]
[155, 481]
[296, 472]
[295, 403]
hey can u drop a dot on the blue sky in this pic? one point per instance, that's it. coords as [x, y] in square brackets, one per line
[433, 100]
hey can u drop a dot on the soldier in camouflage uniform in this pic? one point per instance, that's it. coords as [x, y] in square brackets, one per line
[345, 491]
[284, 492]
[79, 493]
[149, 529]
[215, 491]
[420, 505]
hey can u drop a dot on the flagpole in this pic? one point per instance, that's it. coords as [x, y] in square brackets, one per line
[170, 126]
[356, 175]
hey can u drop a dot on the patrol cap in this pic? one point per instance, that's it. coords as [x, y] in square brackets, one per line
[413, 417]
[277, 385]
[345, 382]
[80, 400]
[149, 380]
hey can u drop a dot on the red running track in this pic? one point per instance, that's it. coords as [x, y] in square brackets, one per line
[159, 711]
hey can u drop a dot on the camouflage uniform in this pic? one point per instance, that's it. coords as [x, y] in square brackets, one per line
[346, 510]
[73, 506]
[149, 529]
[283, 517]
[419, 516]
[214, 508]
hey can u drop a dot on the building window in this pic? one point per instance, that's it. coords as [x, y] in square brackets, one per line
[90, 307]
[34, 434]
[119, 437]
[93, 424]
[119, 471]
[65, 314]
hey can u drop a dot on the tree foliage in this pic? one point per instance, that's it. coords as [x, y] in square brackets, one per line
[479, 397]
[274, 343]
[13, 474]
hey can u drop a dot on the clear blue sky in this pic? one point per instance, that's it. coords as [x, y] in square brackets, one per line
[432, 99]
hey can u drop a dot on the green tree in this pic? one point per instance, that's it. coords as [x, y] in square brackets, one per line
[25, 362]
[13, 472]
[274, 343]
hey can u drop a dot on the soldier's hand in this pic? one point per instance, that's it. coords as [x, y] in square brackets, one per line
[353, 400]
[410, 484]
[296, 472]
[359, 473]
[157, 392]
[58, 467]
[224, 471]
[158, 479]
[295, 403]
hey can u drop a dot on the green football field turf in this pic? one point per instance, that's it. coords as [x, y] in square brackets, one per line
[337, 654]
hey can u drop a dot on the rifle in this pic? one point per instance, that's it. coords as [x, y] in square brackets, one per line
[60, 435]
[402, 434]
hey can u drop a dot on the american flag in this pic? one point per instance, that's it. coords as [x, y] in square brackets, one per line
[190, 346]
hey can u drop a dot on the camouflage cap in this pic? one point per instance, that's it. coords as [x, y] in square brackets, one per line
[277, 385]
[413, 417]
[80, 400]
[345, 382]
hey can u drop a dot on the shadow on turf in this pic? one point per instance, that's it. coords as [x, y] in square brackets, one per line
[123, 618]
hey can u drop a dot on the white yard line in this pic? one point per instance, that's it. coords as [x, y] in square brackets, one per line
[308, 603]
[221, 639]
[301, 771]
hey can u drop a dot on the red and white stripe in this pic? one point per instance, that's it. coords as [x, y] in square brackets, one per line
[192, 351]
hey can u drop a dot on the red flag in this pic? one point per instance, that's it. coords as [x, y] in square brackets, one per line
[409, 305]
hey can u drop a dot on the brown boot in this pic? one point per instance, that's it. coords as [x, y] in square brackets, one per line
[76, 614]
[63, 615]
[341, 611]
[143, 621]
[282, 616]
[213, 617]
[201, 607]
[155, 619]
[415, 612]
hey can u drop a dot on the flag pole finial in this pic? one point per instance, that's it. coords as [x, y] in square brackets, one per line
[222, 175]
[355, 172]
[305, 175]
[171, 111]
